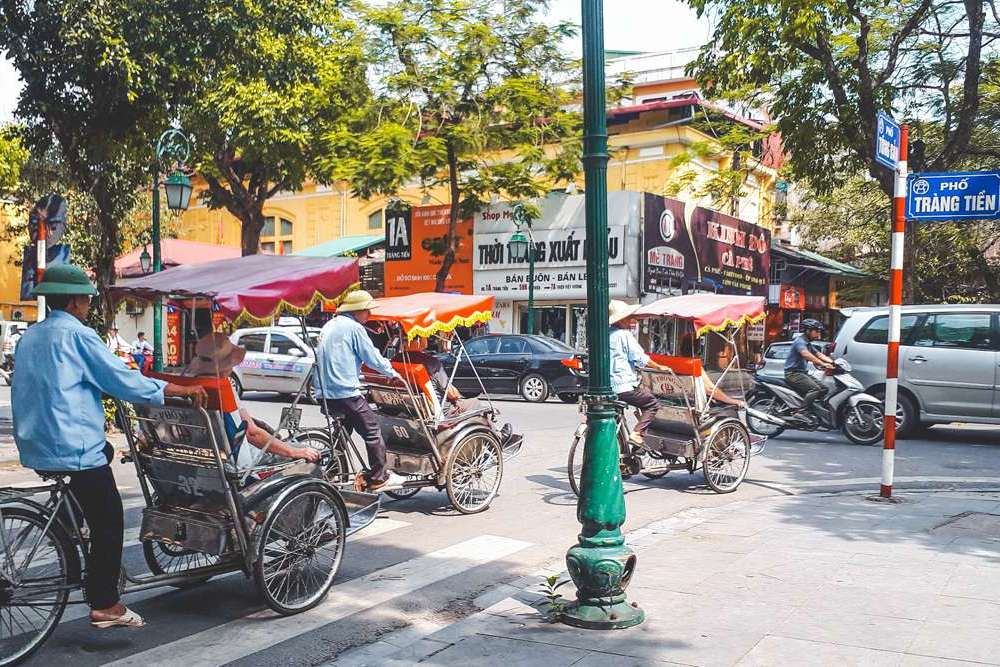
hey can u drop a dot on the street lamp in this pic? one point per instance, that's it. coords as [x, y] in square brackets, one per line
[600, 564]
[173, 150]
[145, 261]
[520, 247]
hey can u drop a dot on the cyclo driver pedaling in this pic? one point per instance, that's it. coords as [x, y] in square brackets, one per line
[216, 499]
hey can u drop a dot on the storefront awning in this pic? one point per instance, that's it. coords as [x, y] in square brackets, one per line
[174, 252]
[817, 262]
[342, 246]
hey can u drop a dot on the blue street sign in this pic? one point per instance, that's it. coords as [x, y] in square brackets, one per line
[953, 196]
[887, 140]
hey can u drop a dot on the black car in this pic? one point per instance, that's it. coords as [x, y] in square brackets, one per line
[535, 367]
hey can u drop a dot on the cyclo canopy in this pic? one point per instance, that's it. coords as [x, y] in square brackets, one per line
[707, 312]
[429, 313]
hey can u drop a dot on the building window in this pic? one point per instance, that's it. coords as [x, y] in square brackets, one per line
[375, 220]
[276, 236]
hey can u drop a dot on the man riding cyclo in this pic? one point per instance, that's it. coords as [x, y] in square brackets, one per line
[803, 352]
[344, 345]
[63, 369]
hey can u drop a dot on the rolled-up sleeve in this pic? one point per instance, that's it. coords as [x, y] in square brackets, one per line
[110, 374]
[365, 349]
[636, 355]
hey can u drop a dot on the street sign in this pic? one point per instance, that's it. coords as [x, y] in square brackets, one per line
[887, 140]
[954, 196]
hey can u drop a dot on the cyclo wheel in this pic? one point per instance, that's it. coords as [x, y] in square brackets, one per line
[335, 470]
[300, 548]
[30, 609]
[727, 457]
[650, 460]
[474, 472]
[162, 558]
[574, 467]
[403, 494]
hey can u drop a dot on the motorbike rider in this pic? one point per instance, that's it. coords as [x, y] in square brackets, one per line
[802, 353]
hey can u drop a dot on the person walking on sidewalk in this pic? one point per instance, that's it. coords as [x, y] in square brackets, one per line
[63, 369]
[344, 346]
[626, 356]
[802, 352]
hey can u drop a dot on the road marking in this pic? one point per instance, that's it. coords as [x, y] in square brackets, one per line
[248, 635]
[379, 527]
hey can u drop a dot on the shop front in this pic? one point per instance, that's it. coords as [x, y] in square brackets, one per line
[558, 238]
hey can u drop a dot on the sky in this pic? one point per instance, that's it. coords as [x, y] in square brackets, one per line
[629, 25]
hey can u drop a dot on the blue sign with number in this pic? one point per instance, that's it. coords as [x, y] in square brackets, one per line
[954, 196]
[887, 140]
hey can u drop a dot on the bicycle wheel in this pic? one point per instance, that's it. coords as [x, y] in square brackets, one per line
[37, 569]
[301, 546]
[474, 472]
[164, 558]
[727, 457]
[335, 467]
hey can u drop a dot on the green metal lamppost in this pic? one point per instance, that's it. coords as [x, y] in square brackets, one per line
[600, 563]
[173, 150]
[522, 246]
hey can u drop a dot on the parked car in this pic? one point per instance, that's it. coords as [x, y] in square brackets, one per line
[773, 365]
[533, 367]
[949, 360]
[278, 359]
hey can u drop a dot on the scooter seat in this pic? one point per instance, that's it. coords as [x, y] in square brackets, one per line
[780, 382]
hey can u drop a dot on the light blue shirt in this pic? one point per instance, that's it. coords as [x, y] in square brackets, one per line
[626, 356]
[63, 367]
[343, 346]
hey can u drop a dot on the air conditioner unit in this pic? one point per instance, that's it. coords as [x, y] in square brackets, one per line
[134, 307]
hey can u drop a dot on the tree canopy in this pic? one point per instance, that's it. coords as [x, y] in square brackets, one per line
[470, 96]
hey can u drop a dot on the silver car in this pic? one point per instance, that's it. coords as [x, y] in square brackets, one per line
[278, 359]
[949, 360]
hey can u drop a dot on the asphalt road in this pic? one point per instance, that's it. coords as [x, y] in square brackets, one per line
[422, 565]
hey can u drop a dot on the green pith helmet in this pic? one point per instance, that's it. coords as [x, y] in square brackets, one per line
[64, 279]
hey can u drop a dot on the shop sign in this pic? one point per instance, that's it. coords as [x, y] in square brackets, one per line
[755, 332]
[732, 253]
[415, 244]
[792, 298]
[554, 248]
[173, 335]
[669, 255]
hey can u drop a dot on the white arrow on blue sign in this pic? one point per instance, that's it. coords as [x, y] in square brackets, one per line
[887, 140]
[954, 196]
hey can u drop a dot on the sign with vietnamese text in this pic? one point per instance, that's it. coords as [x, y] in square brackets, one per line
[734, 255]
[888, 138]
[668, 253]
[415, 244]
[954, 196]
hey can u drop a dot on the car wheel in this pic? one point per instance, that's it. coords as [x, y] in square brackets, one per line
[569, 398]
[907, 414]
[237, 386]
[534, 388]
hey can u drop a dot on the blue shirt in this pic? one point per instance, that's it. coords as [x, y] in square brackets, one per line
[343, 346]
[795, 361]
[63, 367]
[626, 356]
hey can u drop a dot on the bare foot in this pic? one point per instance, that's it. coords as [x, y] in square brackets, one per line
[108, 614]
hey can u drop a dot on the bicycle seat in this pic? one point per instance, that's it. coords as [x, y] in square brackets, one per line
[52, 476]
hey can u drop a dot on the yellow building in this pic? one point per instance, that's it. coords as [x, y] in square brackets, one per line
[11, 306]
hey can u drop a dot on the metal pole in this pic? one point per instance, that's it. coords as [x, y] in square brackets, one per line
[600, 563]
[531, 282]
[895, 314]
[157, 304]
[42, 249]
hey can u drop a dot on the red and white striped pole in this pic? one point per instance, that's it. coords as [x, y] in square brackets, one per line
[40, 257]
[895, 314]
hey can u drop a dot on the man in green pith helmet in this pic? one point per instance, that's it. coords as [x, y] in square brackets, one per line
[63, 369]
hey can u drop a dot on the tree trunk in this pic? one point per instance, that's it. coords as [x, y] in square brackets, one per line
[451, 243]
[251, 217]
[104, 269]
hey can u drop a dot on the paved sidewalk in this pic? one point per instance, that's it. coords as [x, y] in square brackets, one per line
[795, 580]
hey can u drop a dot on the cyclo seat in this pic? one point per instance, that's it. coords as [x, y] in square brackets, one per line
[405, 407]
[680, 394]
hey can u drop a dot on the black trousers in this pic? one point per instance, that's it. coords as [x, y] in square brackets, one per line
[359, 416]
[97, 493]
[805, 386]
[646, 402]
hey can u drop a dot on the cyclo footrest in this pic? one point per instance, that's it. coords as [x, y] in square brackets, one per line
[196, 531]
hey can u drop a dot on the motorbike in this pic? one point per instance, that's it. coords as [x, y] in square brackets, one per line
[846, 406]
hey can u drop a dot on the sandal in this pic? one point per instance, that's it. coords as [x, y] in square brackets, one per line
[129, 619]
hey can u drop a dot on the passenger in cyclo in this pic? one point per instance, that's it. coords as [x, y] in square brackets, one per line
[63, 369]
[344, 346]
[445, 392]
[711, 389]
[215, 357]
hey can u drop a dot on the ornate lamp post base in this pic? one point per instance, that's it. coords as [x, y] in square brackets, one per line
[602, 608]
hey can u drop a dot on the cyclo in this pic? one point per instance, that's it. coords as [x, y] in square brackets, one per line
[690, 430]
[460, 451]
[284, 524]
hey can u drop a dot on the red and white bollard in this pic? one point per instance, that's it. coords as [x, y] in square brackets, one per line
[895, 314]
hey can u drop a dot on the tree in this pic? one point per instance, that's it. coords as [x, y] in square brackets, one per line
[471, 97]
[824, 68]
[13, 155]
[282, 74]
[99, 79]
